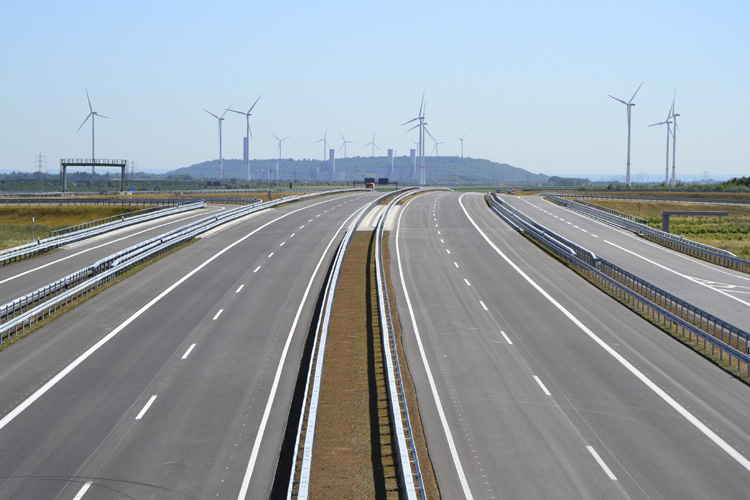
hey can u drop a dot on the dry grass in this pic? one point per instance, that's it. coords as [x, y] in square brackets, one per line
[15, 222]
[354, 453]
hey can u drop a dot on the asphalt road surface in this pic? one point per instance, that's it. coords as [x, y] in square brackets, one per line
[176, 383]
[534, 384]
[720, 291]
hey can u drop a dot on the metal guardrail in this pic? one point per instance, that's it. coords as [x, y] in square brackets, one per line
[35, 306]
[299, 481]
[105, 220]
[660, 306]
[407, 451]
[125, 201]
[10, 255]
[689, 247]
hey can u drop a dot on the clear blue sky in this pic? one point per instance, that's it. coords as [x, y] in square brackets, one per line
[527, 82]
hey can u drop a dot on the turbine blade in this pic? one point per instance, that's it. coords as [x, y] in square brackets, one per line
[225, 111]
[636, 91]
[415, 126]
[84, 122]
[256, 102]
[655, 124]
[275, 136]
[616, 99]
[101, 116]
[207, 111]
[406, 123]
[89, 100]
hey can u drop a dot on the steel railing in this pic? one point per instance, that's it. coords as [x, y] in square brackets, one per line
[29, 250]
[299, 482]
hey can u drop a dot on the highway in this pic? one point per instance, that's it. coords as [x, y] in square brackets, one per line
[534, 384]
[27, 276]
[177, 382]
[720, 291]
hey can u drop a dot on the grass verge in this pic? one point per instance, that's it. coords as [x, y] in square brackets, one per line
[354, 452]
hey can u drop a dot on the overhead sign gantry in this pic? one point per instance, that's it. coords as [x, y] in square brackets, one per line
[65, 163]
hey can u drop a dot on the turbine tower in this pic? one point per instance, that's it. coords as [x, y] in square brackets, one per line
[324, 140]
[667, 123]
[343, 144]
[372, 144]
[629, 105]
[92, 114]
[674, 116]
[279, 160]
[462, 144]
[249, 134]
[420, 125]
[221, 158]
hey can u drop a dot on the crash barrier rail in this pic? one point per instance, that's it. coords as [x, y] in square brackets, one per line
[668, 199]
[404, 436]
[98, 222]
[299, 481]
[125, 201]
[10, 255]
[37, 305]
[659, 306]
[689, 247]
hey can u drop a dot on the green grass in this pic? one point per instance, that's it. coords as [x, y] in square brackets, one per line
[16, 226]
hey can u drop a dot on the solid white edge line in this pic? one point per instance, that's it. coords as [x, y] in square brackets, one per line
[483, 306]
[601, 463]
[267, 412]
[507, 339]
[187, 353]
[744, 462]
[91, 350]
[430, 378]
[218, 314]
[240, 288]
[82, 491]
[145, 408]
[541, 384]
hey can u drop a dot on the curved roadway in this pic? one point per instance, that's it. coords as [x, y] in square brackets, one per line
[533, 384]
[177, 382]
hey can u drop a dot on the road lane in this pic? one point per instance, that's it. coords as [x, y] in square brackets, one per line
[196, 436]
[511, 437]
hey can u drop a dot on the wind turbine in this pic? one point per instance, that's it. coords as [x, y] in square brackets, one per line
[372, 144]
[462, 144]
[92, 114]
[249, 134]
[436, 149]
[325, 143]
[420, 125]
[221, 158]
[629, 105]
[667, 123]
[277, 161]
[343, 144]
[674, 116]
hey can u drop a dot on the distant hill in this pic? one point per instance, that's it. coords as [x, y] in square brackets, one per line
[446, 170]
